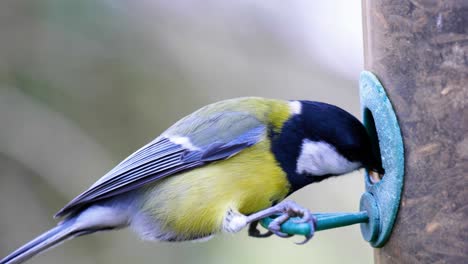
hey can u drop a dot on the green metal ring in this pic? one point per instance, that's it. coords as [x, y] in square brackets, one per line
[382, 124]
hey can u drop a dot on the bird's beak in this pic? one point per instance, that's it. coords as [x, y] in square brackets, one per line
[375, 176]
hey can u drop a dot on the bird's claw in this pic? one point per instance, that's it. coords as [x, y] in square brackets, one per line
[312, 221]
[290, 209]
[284, 211]
[307, 238]
[306, 217]
[275, 226]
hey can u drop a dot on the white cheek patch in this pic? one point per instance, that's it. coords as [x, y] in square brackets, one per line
[296, 107]
[320, 158]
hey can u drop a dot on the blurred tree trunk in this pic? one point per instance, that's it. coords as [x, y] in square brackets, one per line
[419, 50]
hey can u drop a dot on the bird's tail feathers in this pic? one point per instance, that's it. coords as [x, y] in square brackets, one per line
[65, 230]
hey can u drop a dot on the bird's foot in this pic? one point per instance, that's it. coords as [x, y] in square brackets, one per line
[289, 209]
[286, 210]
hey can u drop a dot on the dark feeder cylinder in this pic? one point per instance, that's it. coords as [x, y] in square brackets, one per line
[419, 51]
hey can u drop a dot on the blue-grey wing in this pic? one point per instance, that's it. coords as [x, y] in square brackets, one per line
[167, 155]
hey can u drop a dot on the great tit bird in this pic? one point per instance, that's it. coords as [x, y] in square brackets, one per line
[222, 168]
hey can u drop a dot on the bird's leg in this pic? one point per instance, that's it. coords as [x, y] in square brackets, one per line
[286, 209]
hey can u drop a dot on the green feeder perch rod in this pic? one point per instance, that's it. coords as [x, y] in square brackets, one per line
[324, 221]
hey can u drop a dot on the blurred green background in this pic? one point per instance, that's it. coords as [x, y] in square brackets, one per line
[85, 83]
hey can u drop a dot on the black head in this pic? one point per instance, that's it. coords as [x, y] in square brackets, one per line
[322, 140]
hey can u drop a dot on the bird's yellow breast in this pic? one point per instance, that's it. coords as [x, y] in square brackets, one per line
[194, 203]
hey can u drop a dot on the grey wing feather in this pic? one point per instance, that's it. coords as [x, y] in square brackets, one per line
[161, 158]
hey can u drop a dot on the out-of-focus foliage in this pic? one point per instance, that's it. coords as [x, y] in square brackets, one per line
[84, 83]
